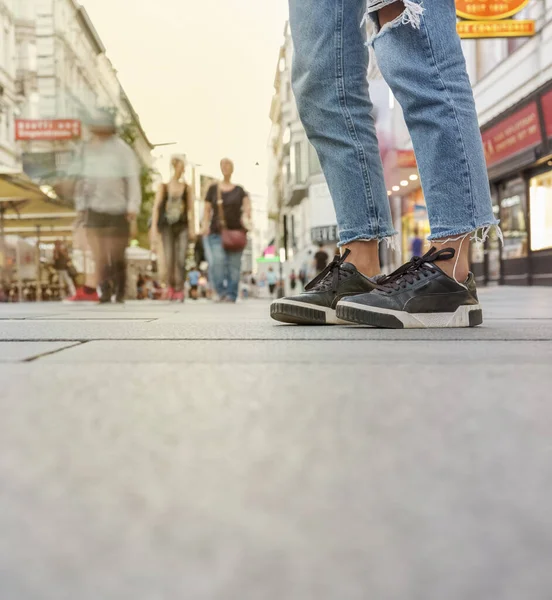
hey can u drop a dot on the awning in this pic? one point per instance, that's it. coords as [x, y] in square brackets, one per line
[17, 188]
[24, 207]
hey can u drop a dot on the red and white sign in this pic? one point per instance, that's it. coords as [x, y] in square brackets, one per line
[47, 129]
[487, 9]
[521, 131]
[547, 110]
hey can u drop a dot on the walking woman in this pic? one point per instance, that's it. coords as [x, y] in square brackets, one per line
[227, 213]
[173, 219]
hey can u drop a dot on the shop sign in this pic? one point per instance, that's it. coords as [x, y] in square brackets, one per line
[47, 129]
[495, 29]
[325, 235]
[521, 131]
[406, 159]
[482, 10]
[547, 110]
[486, 19]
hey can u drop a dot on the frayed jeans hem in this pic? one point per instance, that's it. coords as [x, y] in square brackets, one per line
[390, 239]
[480, 233]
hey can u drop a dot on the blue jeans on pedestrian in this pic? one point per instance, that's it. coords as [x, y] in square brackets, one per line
[420, 57]
[224, 268]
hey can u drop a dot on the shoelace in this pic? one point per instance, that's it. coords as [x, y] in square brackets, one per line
[414, 270]
[329, 278]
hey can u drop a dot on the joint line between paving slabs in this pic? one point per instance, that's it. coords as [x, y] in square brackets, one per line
[50, 352]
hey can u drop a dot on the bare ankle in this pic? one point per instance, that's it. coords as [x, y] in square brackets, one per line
[364, 255]
[457, 267]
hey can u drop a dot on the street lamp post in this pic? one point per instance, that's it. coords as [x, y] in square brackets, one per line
[281, 286]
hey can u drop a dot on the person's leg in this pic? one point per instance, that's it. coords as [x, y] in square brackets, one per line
[169, 252]
[233, 274]
[420, 56]
[66, 280]
[331, 87]
[100, 250]
[181, 251]
[217, 264]
[119, 243]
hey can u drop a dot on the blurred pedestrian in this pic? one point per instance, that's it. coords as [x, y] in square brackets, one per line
[108, 199]
[417, 244]
[303, 277]
[140, 287]
[193, 279]
[321, 259]
[203, 286]
[292, 280]
[272, 280]
[254, 287]
[173, 218]
[61, 262]
[225, 223]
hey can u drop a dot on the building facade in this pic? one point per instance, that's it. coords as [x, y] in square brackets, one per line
[63, 73]
[8, 152]
[512, 81]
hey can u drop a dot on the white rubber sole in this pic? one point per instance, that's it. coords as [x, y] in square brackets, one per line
[464, 316]
[302, 313]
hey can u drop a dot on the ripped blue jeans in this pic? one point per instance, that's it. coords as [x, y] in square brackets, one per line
[420, 57]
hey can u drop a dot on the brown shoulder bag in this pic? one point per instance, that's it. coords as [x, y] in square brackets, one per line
[233, 240]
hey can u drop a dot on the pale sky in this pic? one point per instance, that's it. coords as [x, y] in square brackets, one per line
[200, 73]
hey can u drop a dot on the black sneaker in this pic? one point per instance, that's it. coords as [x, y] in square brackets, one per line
[316, 305]
[418, 295]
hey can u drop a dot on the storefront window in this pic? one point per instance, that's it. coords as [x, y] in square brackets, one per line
[493, 245]
[541, 211]
[514, 225]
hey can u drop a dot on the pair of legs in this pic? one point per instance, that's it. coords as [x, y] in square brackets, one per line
[420, 56]
[175, 248]
[108, 245]
[224, 268]
[65, 281]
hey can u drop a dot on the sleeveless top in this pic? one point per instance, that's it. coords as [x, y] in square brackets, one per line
[173, 211]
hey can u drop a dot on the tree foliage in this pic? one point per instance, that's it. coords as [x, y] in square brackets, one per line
[129, 134]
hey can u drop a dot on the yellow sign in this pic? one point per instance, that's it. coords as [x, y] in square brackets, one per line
[495, 29]
[487, 10]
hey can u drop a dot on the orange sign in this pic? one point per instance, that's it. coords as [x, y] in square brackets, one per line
[495, 29]
[478, 10]
[406, 159]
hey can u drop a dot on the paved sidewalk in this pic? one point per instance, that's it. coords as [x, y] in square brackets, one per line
[201, 452]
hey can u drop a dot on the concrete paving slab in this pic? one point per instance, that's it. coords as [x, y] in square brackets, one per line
[337, 352]
[217, 328]
[256, 461]
[226, 482]
[21, 351]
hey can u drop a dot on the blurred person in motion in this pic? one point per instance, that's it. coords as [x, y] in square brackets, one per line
[227, 210]
[107, 199]
[419, 54]
[193, 279]
[173, 218]
[203, 286]
[292, 280]
[254, 291]
[61, 265]
[321, 259]
[417, 245]
[272, 280]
